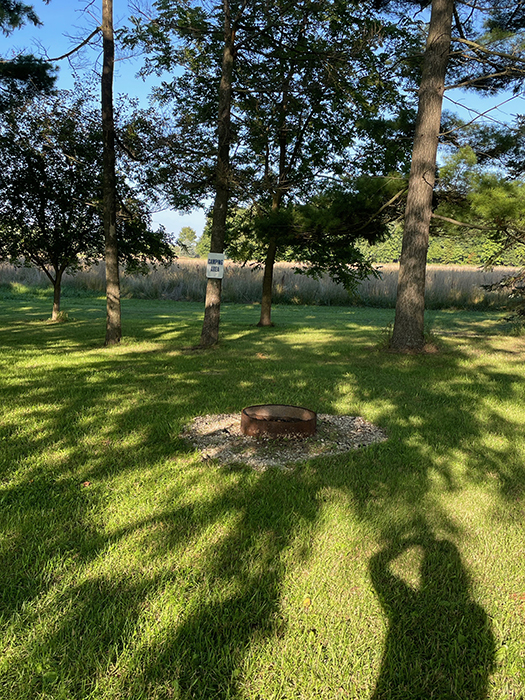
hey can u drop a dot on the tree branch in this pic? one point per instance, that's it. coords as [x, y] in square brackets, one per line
[480, 78]
[518, 237]
[459, 26]
[390, 201]
[490, 52]
[462, 223]
[77, 48]
[479, 114]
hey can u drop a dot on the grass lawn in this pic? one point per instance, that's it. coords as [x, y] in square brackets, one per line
[130, 569]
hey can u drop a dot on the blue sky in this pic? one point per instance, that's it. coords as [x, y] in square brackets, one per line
[64, 22]
[500, 108]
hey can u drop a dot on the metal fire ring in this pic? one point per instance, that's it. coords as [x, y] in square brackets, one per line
[278, 419]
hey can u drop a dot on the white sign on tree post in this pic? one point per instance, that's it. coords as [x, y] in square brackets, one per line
[215, 266]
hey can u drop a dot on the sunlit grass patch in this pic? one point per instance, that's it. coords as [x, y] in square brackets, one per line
[132, 569]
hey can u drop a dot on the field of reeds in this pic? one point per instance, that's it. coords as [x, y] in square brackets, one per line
[448, 286]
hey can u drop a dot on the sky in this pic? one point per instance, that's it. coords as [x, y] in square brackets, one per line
[64, 22]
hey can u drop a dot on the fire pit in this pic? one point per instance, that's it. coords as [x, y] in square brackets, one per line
[277, 419]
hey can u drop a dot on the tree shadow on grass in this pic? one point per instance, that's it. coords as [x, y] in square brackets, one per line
[240, 592]
[169, 626]
[110, 627]
[439, 642]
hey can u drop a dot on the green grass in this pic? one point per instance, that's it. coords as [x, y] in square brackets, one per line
[130, 569]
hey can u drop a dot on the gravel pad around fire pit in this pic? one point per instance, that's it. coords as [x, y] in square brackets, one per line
[219, 437]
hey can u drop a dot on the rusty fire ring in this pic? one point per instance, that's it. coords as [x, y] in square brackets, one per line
[278, 419]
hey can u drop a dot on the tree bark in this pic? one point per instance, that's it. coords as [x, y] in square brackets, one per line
[212, 307]
[269, 263]
[408, 333]
[113, 315]
[57, 285]
[266, 298]
[267, 288]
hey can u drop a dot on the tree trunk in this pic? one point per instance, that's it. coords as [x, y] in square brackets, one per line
[113, 316]
[408, 331]
[267, 288]
[57, 285]
[212, 307]
[266, 299]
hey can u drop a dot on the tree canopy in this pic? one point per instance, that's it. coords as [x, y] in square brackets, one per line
[311, 100]
[51, 189]
[293, 116]
[322, 235]
[483, 202]
[24, 75]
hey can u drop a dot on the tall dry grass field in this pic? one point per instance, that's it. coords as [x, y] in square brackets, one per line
[460, 286]
[448, 286]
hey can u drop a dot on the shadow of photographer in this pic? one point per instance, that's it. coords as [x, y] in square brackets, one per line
[439, 642]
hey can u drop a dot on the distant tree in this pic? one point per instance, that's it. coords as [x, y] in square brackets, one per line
[51, 194]
[202, 248]
[24, 75]
[186, 242]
